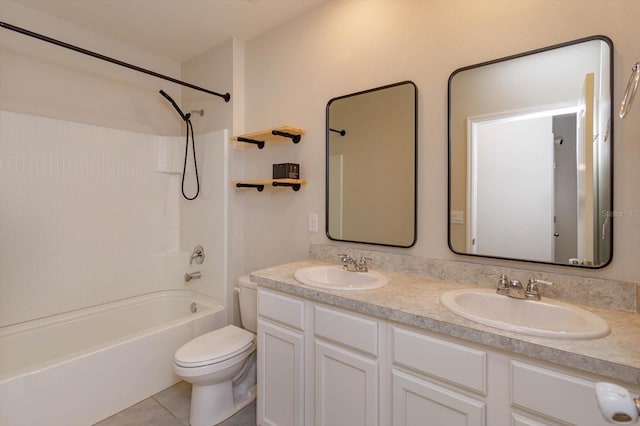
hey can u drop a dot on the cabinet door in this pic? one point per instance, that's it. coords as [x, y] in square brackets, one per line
[565, 398]
[346, 387]
[417, 402]
[280, 376]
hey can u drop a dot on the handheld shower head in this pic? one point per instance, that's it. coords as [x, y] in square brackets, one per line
[185, 117]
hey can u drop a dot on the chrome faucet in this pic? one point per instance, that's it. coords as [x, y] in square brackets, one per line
[515, 289]
[532, 292]
[352, 265]
[192, 276]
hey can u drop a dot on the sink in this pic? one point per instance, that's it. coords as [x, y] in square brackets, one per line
[546, 318]
[336, 278]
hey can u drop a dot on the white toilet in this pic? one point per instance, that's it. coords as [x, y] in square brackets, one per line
[221, 364]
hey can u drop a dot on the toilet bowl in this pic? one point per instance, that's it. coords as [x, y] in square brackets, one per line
[221, 365]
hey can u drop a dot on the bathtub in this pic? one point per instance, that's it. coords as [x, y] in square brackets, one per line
[80, 367]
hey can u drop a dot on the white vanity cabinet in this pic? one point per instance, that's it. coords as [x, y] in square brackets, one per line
[347, 368]
[281, 359]
[319, 365]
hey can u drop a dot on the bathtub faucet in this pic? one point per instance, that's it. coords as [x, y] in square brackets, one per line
[192, 276]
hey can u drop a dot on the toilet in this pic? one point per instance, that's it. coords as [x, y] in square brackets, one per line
[221, 364]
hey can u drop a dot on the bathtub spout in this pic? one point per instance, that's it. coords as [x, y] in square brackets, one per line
[192, 276]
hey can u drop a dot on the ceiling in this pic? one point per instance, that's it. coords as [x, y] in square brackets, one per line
[176, 29]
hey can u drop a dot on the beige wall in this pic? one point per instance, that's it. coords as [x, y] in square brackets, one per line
[43, 79]
[346, 46]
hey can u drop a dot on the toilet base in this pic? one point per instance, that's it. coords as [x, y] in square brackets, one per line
[213, 404]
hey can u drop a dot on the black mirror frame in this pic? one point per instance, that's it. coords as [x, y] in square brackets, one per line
[415, 165]
[603, 38]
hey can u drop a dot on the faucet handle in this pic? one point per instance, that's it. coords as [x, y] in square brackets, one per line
[532, 291]
[503, 284]
[362, 264]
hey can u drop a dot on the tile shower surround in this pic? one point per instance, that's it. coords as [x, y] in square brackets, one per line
[87, 215]
[598, 292]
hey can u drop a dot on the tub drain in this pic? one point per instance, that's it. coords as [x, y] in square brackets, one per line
[194, 307]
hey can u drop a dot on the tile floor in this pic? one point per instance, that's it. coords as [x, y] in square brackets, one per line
[171, 408]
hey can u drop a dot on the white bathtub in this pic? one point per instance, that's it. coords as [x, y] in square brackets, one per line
[80, 367]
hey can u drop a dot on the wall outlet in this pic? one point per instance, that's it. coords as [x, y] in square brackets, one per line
[313, 222]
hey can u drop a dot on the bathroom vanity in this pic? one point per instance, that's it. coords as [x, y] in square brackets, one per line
[396, 356]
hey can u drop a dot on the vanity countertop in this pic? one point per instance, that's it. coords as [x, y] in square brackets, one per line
[415, 301]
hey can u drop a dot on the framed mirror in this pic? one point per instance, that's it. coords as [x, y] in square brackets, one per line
[530, 156]
[371, 166]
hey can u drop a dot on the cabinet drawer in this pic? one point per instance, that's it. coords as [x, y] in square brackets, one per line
[280, 308]
[554, 394]
[349, 330]
[420, 402]
[453, 363]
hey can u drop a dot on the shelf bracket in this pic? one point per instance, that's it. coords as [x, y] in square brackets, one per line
[253, 141]
[294, 186]
[259, 187]
[294, 138]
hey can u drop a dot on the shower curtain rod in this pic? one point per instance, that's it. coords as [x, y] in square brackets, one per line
[226, 96]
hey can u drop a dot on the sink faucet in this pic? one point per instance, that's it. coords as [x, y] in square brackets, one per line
[515, 289]
[352, 265]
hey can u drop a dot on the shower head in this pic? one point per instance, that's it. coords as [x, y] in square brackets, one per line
[170, 99]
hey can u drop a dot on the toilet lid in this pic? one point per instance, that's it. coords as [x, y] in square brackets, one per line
[215, 346]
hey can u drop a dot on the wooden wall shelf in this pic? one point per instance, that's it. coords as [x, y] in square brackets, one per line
[260, 184]
[278, 134]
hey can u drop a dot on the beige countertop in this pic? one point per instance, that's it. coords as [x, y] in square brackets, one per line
[415, 301]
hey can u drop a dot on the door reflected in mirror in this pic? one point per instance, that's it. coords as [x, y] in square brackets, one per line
[371, 166]
[530, 156]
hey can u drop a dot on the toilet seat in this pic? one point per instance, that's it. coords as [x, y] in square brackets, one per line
[214, 347]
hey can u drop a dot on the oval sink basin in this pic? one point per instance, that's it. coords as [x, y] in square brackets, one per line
[337, 278]
[546, 318]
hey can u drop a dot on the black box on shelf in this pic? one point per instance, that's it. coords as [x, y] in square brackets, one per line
[286, 171]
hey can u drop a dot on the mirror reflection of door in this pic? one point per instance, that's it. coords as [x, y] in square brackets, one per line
[532, 167]
[511, 182]
[565, 189]
[587, 175]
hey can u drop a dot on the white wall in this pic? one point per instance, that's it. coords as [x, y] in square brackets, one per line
[345, 46]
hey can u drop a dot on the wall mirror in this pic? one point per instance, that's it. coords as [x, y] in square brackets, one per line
[371, 166]
[530, 156]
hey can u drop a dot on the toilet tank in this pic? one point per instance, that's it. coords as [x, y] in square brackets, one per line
[248, 298]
